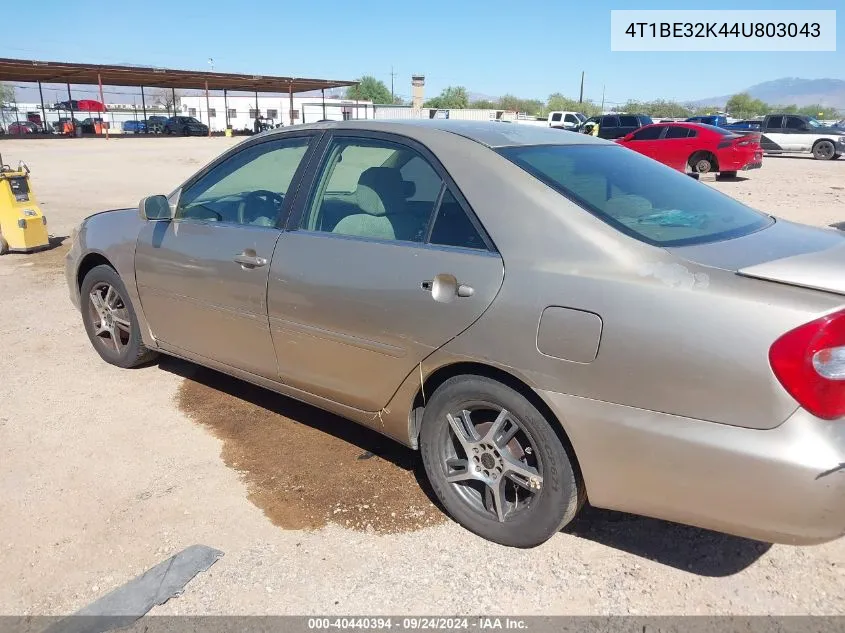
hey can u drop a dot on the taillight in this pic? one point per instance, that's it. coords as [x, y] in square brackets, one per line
[744, 143]
[809, 362]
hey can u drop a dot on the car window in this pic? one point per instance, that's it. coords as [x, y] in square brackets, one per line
[628, 121]
[775, 123]
[649, 133]
[638, 196]
[556, 116]
[248, 187]
[677, 131]
[452, 226]
[570, 118]
[425, 180]
[645, 120]
[794, 123]
[609, 121]
[361, 192]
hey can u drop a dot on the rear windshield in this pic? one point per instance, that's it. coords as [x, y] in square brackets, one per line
[637, 195]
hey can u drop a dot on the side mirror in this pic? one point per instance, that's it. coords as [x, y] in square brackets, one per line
[154, 208]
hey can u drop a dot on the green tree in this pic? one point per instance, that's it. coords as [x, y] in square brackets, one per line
[452, 97]
[743, 105]
[820, 111]
[7, 98]
[484, 104]
[369, 89]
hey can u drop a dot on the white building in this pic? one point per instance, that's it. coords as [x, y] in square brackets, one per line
[240, 112]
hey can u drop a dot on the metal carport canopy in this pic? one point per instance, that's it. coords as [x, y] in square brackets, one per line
[23, 70]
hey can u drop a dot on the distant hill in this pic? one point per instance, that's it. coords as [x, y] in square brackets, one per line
[791, 91]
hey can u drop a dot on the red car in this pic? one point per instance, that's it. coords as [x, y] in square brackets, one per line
[698, 147]
[23, 127]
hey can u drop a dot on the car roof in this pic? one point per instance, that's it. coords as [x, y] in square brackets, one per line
[493, 134]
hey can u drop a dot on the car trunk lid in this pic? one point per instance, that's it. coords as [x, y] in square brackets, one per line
[786, 253]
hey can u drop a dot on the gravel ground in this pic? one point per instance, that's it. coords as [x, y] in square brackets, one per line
[105, 472]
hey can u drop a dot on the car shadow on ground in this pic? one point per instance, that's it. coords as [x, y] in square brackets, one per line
[838, 225]
[694, 550]
[737, 178]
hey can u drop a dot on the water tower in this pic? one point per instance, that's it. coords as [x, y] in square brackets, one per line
[417, 90]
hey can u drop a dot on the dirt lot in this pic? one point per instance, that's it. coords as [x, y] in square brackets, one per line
[105, 472]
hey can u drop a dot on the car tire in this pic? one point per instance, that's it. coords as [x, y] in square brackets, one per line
[4, 246]
[824, 150]
[186, 131]
[702, 163]
[121, 343]
[523, 447]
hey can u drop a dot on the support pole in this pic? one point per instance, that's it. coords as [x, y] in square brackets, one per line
[144, 110]
[208, 109]
[43, 111]
[70, 108]
[323, 91]
[225, 106]
[102, 100]
[581, 97]
[257, 113]
[290, 105]
[173, 96]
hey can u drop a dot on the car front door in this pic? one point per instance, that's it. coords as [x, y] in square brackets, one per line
[645, 141]
[797, 137]
[202, 276]
[382, 263]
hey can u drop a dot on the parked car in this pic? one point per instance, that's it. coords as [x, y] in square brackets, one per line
[613, 126]
[134, 127]
[156, 123]
[58, 126]
[840, 124]
[23, 127]
[655, 346]
[566, 120]
[88, 125]
[697, 147]
[717, 120]
[746, 124]
[800, 133]
[184, 126]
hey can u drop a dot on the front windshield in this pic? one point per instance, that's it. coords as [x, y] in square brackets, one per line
[637, 195]
[188, 119]
[814, 123]
[580, 117]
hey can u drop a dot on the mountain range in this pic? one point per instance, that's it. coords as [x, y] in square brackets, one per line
[791, 91]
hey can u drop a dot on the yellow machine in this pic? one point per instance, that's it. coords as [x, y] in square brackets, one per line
[23, 228]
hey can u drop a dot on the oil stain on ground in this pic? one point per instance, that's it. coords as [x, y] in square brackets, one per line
[303, 467]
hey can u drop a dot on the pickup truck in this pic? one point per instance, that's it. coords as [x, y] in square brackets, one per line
[800, 133]
[716, 120]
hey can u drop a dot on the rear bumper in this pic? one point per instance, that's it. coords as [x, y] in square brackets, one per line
[755, 165]
[783, 485]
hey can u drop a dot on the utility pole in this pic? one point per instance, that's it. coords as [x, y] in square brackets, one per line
[392, 75]
[581, 98]
[602, 98]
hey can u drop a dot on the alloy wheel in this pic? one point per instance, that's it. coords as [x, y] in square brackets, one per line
[491, 461]
[110, 317]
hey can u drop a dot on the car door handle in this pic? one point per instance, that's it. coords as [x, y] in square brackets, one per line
[249, 261]
[444, 288]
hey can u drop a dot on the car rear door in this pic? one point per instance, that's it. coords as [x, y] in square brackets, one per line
[773, 137]
[383, 262]
[202, 276]
[609, 127]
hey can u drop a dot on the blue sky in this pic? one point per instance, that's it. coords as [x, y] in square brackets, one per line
[526, 48]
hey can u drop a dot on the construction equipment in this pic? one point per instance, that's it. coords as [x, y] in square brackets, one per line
[23, 228]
